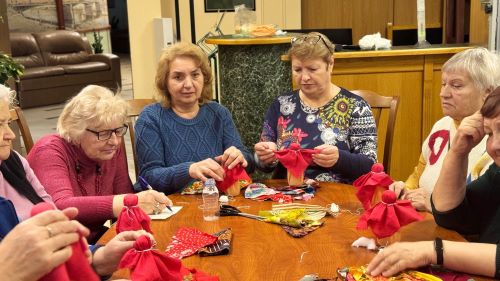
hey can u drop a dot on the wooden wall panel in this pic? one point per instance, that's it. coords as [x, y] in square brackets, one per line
[364, 17]
[479, 29]
[405, 12]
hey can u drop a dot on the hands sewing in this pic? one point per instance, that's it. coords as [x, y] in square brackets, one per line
[210, 168]
[265, 152]
[39, 244]
[327, 156]
[420, 198]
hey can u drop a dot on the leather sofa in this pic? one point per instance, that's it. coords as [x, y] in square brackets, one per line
[58, 64]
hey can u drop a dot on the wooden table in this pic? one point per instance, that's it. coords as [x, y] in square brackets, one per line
[264, 251]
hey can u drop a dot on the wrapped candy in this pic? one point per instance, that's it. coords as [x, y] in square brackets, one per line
[388, 216]
[131, 216]
[296, 160]
[234, 180]
[371, 185]
[77, 268]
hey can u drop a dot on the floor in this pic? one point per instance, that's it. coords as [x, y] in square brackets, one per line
[43, 120]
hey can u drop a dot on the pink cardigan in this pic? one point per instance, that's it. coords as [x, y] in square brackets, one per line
[21, 203]
[74, 180]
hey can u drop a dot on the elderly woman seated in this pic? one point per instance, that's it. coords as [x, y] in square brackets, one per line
[320, 115]
[468, 77]
[84, 166]
[472, 208]
[186, 137]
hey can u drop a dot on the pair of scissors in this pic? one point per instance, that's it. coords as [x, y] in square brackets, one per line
[228, 210]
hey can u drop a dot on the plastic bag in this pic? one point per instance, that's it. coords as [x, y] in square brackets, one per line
[244, 19]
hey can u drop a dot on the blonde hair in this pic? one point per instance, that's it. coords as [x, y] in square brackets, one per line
[92, 106]
[182, 49]
[313, 45]
[482, 66]
[7, 95]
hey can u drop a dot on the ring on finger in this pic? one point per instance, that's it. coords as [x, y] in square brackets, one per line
[49, 231]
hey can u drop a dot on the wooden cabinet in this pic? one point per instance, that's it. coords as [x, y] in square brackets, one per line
[412, 74]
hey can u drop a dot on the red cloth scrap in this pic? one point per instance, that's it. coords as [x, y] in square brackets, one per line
[187, 241]
[231, 176]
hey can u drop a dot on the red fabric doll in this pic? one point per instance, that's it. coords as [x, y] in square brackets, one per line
[296, 160]
[132, 217]
[368, 184]
[388, 216]
[234, 180]
[148, 264]
[77, 268]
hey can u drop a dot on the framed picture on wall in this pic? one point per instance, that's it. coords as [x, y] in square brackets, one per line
[212, 6]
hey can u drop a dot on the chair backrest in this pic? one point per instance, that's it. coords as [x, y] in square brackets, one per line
[16, 115]
[401, 35]
[383, 108]
[136, 107]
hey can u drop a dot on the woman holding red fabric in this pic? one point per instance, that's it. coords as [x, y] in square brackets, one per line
[319, 115]
[84, 166]
[467, 78]
[472, 208]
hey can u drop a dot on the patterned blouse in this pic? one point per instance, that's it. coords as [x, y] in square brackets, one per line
[346, 121]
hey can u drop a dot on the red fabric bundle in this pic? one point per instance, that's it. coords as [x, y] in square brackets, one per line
[388, 216]
[148, 264]
[77, 268]
[132, 217]
[295, 159]
[368, 183]
[237, 173]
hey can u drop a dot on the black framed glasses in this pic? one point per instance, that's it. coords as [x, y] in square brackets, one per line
[106, 134]
[311, 39]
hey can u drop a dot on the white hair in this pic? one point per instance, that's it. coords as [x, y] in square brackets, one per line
[7, 95]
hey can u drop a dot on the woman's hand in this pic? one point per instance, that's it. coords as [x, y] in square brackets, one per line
[151, 201]
[469, 134]
[106, 258]
[265, 152]
[420, 199]
[231, 157]
[39, 244]
[400, 256]
[399, 188]
[327, 157]
[205, 169]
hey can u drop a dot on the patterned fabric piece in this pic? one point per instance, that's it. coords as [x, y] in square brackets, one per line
[195, 187]
[188, 241]
[346, 121]
[299, 232]
[221, 247]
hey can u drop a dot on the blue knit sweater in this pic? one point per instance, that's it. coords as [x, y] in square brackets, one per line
[167, 144]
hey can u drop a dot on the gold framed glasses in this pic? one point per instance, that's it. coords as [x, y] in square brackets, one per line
[106, 134]
[311, 39]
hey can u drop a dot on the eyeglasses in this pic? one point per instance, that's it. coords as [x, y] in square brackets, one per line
[311, 39]
[106, 134]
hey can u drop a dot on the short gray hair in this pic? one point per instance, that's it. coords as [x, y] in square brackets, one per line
[8, 95]
[92, 106]
[482, 66]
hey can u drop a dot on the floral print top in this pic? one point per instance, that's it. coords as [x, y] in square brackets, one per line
[346, 121]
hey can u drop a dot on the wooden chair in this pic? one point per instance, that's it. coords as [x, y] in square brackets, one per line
[16, 114]
[136, 107]
[379, 105]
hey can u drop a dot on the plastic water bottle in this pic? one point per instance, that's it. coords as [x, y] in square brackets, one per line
[210, 201]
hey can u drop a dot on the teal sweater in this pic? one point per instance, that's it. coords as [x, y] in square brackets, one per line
[167, 144]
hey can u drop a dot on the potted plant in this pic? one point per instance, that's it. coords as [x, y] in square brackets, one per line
[97, 45]
[9, 68]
